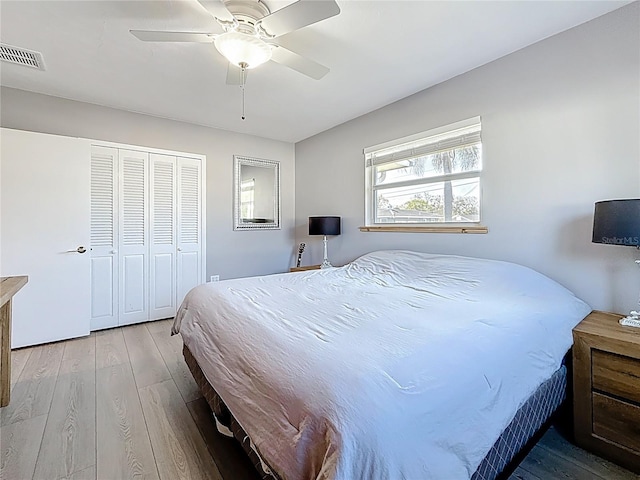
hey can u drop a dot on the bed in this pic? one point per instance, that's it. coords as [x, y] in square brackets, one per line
[400, 365]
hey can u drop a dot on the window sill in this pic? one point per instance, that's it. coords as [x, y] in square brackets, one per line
[421, 229]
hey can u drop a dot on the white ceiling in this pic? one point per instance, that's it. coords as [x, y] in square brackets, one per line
[378, 52]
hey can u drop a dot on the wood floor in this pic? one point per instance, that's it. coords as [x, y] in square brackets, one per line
[121, 404]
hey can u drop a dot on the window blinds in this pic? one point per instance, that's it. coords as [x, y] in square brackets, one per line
[427, 145]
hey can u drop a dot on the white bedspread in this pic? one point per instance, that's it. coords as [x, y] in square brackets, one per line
[400, 365]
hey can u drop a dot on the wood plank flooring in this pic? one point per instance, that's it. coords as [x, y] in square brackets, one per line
[69, 438]
[121, 404]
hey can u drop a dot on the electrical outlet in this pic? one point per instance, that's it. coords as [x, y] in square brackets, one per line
[214, 278]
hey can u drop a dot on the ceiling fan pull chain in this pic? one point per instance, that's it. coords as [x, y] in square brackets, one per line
[243, 66]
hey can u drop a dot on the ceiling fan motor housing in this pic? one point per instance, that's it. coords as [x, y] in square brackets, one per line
[247, 13]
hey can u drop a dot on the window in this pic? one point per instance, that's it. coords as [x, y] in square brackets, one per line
[427, 179]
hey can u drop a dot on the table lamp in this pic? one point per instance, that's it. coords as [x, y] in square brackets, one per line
[617, 222]
[324, 226]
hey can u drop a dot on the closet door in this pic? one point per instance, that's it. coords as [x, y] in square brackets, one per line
[104, 237]
[190, 222]
[162, 245]
[134, 237]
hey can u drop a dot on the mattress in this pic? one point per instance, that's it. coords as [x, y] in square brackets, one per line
[399, 365]
[530, 417]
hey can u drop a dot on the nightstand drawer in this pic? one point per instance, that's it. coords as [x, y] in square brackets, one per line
[618, 375]
[616, 421]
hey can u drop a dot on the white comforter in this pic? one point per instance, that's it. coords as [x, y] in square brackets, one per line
[401, 365]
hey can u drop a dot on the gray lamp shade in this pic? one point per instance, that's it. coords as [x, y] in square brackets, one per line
[617, 222]
[324, 225]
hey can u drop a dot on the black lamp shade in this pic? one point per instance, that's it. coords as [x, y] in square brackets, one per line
[324, 225]
[617, 222]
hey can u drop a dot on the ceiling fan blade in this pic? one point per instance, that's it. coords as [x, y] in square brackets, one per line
[298, 15]
[298, 63]
[152, 36]
[234, 75]
[218, 9]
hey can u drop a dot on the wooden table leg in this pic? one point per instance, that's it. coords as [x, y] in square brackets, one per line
[5, 354]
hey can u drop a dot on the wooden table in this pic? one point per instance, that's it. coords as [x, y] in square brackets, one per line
[9, 286]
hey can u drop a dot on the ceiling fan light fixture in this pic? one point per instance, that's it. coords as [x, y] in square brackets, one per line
[240, 48]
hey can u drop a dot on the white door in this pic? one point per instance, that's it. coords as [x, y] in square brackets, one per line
[162, 245]
[104, 237]
[44, 220]
[134, 236]
[190, 226]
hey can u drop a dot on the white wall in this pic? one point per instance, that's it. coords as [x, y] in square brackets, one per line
[229, 253]
[560, 127]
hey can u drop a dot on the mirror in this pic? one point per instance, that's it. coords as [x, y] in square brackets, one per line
[257, 194]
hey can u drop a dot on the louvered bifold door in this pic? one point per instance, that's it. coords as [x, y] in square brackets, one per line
[104, 237]
[162, 246]
[134, 236]
[190, 223]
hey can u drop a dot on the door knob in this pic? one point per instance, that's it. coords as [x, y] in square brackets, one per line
[80, 249]
[179, 249]
[114, 251]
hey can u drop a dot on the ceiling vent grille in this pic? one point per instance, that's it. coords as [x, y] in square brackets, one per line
[21, 56]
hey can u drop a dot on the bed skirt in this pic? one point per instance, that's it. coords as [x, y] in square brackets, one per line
[529, 418]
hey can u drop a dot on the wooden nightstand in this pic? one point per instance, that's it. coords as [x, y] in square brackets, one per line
[606, 386]
[302, 269]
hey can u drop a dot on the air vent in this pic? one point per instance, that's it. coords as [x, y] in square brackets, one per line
[21, 56]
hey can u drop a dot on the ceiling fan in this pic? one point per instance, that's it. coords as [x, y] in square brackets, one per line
[246, 31]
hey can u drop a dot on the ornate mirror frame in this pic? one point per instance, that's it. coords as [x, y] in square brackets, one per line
[271, 184]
